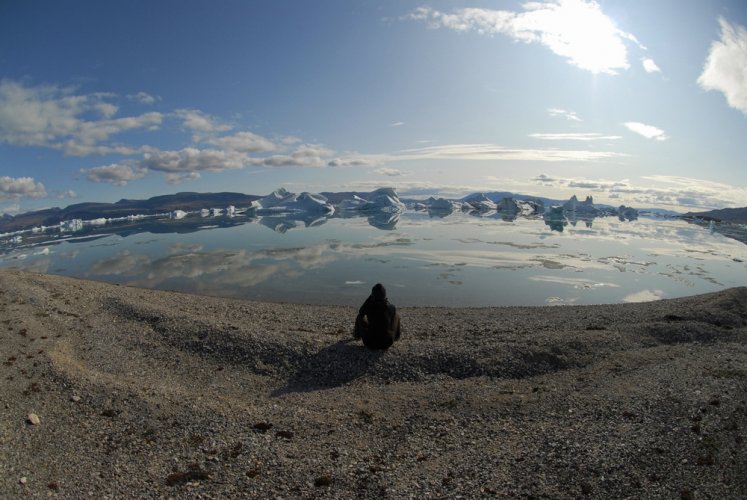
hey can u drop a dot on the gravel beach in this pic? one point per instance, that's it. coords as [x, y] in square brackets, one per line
[117, 392]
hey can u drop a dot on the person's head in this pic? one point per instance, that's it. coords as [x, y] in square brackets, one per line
[378, 292]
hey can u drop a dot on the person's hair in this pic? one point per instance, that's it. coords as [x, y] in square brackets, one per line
[378, 291]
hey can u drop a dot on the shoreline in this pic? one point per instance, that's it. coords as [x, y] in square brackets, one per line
[156, 393]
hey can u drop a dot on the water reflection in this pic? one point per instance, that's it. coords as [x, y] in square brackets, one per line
[458, 260]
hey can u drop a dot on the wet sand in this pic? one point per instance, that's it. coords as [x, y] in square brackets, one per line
[143, 393]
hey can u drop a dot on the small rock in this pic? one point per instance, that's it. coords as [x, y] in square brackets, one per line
[33, 419]
[75, 398]
[23, 480]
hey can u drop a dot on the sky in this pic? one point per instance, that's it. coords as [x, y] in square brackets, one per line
[635, 102]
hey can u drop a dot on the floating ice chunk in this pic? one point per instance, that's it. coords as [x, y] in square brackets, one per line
[97, 222]
[204, 212]
[215, 212]
[178, 214]
[71, 225]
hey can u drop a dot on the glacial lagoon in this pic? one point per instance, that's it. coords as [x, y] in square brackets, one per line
[424, 260]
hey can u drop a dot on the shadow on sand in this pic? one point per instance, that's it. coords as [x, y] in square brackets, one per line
[333, 366]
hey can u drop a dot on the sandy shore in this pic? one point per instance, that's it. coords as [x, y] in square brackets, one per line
[143, 393]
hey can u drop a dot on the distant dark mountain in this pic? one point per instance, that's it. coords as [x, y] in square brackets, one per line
[123, 208]
[736, 215]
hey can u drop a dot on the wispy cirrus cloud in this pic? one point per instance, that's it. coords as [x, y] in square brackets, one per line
[588, 136]
[563, 113]
[576, 30]
[647, 131]
[496, 152]
[725, 69]
[390, 172]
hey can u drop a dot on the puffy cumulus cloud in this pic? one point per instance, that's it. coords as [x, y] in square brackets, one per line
[576, 30]
[193, 160]
[15, 188]
[650, 66]
[305, 155]
[200, 122]
[647, 131]
[563, 113]
[118, 174]
[677, 193]
[495, 152]
[725, 68]
[244, 142]
[589, 136]
[54, 117]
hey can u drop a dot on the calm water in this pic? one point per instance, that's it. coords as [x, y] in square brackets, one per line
[456, 260]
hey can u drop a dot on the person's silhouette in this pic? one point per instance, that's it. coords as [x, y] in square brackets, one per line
[378, 323]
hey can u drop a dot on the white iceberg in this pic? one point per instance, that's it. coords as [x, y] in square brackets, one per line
[204, 212]
[383, 200]
[178, 214]
[71, 225]
[354, 203]
[280, 201]
[478, 201]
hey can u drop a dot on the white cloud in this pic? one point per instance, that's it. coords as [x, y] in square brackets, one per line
[182, 177]
[117, 174]
[53, 117]
[650, 66]
[391, 172]
[243, 142]
[200, 122]
[563, 113]
[15, 188]
[396, 124]
[725, 68]
[306, 155]
[193, 160]
[647, 131]
[143, 98]
[589, 136]
[577, 30]
[495, 152]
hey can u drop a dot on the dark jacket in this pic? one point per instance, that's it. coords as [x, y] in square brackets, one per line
[382, 326]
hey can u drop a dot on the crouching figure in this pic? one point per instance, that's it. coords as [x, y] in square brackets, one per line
[377, 323]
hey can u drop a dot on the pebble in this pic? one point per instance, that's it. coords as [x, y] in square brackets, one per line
[23, 480]
[33, 419]
[75, 399]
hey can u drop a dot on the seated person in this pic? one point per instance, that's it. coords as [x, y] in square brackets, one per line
[377, 322]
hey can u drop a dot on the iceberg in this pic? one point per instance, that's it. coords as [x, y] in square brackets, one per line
[479, 202]
[71, 225]
[354, 203]
[281, 200]
[178, 214]
[383, 200]
[204, 212]
[585, 207]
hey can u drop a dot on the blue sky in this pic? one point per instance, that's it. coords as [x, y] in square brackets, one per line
[642, 103]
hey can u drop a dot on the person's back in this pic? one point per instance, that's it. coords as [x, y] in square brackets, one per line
[377, 323]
